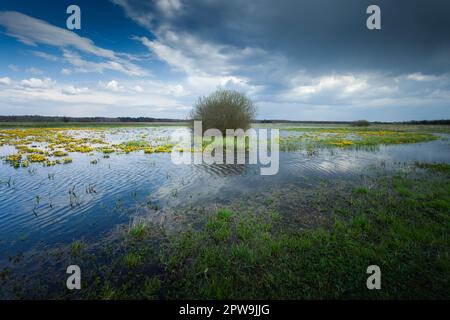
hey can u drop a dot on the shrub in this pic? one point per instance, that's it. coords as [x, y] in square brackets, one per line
[361, 123]
[224, 109]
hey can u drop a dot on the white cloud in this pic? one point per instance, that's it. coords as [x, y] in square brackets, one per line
[85, 66]
[206, 66]
[46, 56]
[138, 88]
[420, 77]
[148, 87]
[142, 17]
[38, 83]
[112, 85]
[113, 98]
[72, 90]
[32, 31]
[119, 97]
[169, 7]
[66, 72]
[5, 81]
[14, 67]
[334, 88]
[34, 71]
[147, 13]
[188, 54]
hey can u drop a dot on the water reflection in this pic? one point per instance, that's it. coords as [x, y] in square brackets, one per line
[222, 170]
[35, 207]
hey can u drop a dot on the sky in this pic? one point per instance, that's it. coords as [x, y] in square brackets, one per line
[297, 60]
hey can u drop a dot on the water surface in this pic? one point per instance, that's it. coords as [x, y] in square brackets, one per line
[36, 210]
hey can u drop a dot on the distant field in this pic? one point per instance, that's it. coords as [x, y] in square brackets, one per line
[340, 126]
[285, 126]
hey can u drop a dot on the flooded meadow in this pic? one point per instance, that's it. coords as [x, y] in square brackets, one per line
[111, 200]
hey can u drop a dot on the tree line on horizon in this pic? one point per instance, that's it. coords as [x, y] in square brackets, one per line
[36, 118]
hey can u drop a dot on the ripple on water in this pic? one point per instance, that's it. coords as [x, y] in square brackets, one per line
[122, 182]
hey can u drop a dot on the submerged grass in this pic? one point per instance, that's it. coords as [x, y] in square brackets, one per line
[46, 145]
[443, 168]
[139, 231]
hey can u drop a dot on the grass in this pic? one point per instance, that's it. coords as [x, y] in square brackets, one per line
[139, 231]
[42, 143]
[400, 223]
[443, 168]
[67, 160]
[60, 153]
[58, 142]
[361, 190]
[352, 138]
[132, 260]
[372, 127]
[402, 226]
[76, 248]
[36, 158]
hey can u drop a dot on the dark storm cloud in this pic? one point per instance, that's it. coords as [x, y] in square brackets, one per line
[308, 59]
[324, 35]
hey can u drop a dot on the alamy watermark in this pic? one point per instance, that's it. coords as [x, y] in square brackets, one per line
[74, 20]
[374, 280]
[74, 280]
[373, 22]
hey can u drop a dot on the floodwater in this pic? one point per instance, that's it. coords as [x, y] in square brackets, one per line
[37, 210]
